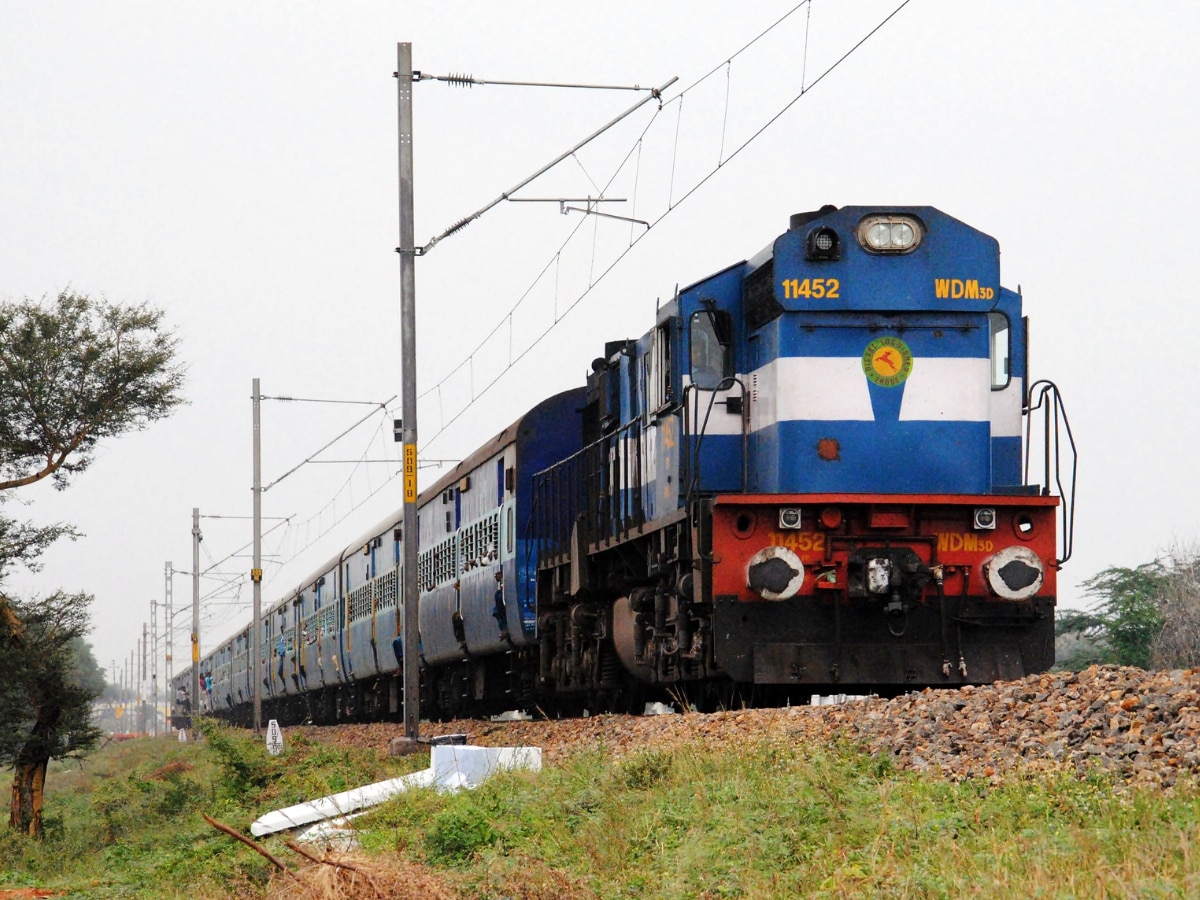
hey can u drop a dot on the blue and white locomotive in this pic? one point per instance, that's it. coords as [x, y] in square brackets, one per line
[810, 475]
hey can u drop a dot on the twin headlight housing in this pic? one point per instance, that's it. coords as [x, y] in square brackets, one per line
[889, 234]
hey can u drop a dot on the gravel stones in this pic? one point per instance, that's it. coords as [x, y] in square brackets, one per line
[1143, 727]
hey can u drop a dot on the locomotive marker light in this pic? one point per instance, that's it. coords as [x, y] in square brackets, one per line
[831, 517]
[789, 518]
[985, 518]
[823, 243]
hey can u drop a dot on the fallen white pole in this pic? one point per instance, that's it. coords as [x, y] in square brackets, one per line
[451, 767]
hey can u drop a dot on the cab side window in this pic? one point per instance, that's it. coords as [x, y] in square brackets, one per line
[1001, 350]
[710, 332]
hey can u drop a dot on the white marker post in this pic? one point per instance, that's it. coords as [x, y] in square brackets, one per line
[274, 738]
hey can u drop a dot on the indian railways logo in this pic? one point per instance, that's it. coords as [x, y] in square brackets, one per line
[887, 361]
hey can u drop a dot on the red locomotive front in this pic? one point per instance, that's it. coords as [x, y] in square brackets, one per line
[869, 590]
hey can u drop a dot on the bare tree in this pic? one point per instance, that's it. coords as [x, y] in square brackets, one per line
[1177, 644]
[1148, 616]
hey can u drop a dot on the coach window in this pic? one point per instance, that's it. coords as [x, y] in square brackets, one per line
[1001, 350]
[709, 334]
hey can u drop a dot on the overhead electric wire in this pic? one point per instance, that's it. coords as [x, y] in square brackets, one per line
[635, 148]
[289, 523]
[464, 222]
[294, 528]
[283, 521]
[672, 205]
[323, 448]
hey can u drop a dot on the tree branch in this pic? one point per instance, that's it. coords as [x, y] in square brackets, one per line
[16, 628]
[296, 848]
[252, 844]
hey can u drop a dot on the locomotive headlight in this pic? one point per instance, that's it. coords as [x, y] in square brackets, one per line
[775, 573]
[789, 518]
[889, 234]
[879, 236]
[1014, 573]
[985, 518]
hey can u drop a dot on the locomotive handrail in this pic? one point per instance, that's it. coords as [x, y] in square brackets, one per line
[1044, 395]
[599, 487]
[692, 476]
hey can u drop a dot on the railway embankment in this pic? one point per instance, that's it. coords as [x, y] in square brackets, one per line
[1143, 727]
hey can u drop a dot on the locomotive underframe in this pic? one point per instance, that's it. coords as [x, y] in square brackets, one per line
[624, 590]
[832, 646]
[646, 599]
[900, 591]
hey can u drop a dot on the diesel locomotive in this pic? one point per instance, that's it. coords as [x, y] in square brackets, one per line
[811, 475]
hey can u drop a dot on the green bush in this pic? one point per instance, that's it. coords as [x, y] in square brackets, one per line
[244, 762]
[456, 834]
[645, 769]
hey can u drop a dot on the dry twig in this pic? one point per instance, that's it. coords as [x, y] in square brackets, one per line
[253, 845]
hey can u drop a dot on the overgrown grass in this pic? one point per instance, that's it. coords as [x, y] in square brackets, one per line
[763, 819]
[777, 820]
[127, 821]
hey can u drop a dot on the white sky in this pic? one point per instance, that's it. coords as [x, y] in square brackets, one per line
[235, 164]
